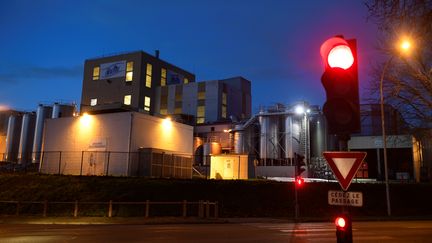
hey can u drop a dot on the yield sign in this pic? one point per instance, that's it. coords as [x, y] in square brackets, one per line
[344, 165]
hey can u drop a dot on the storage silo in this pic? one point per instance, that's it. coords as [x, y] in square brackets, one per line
[26, 138]
[210, 149]
[62, 110]
[269, 137]
[239, 140]
[289, 137]
[13, 138]
[42, 113]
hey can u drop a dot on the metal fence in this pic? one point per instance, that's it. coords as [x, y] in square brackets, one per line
[202, 208]
[107, 163]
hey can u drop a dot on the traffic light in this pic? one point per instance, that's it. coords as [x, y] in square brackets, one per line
[299, 181]
[340, 81]
[299, 164]
[343, 228]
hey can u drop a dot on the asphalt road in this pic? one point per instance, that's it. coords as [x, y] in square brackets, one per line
[395, 231]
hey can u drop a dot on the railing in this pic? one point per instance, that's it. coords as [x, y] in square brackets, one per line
[201, 209]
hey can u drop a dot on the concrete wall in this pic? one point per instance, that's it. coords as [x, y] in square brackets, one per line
[371, 142]
[100, 144]
[154, 132]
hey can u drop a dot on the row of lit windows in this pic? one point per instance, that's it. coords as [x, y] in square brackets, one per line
[129, 73]
[200, 117]
[127, 100]
[224, 105]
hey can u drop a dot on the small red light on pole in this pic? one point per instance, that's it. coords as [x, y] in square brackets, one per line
[299, 181]
[340, 222]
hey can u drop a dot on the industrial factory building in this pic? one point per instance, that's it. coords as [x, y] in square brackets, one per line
[207, 101]
[127, 81]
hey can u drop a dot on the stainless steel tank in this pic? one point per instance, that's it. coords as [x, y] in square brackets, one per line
[269, 137]
[62, 110]
[289, 137]
[26, 138]
[13, 138]
[318, 135]
[239, 140]
[42, 113]
[212, 148]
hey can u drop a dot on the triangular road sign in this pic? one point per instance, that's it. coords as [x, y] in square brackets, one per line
[344, 165]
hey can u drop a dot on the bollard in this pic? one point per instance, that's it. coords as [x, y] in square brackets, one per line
[45, 208]
[110, 209]
[184, 208]
[147, 208]
[76, 209]
[216, 210]
[200, 209]
[207, 209]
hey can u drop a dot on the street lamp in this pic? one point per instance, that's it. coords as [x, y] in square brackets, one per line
[405, 46]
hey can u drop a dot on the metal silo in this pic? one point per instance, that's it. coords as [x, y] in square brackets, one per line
[62, 110]
[289, 137]
[42, 113]
[13, 137]
[318, 135]
[239, 140]
[26, 138]
[269, 137]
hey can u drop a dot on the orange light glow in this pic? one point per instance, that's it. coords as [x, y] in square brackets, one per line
[4, 108]
[340, 222]
[340, 56]
[85, 120]
[167, 124]
[405, 45]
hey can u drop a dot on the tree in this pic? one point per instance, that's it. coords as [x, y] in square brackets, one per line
[408, 77]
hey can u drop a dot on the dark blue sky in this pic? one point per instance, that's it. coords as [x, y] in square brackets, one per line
[275, 44]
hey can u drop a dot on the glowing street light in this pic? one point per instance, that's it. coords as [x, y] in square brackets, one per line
[405, 46]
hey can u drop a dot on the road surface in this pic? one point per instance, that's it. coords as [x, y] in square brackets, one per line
[394, 231]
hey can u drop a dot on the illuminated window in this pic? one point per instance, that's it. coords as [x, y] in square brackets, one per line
[224, 105]
[96, 72]
[129, 71]
[224, 111]
[163, 111]
[127, 99]
[178, 110]
[200, 114]
[148, 75]
[201, 95]
[163, 76]
[185, 80]
[93, 102]
[224, 98]
[147, 103]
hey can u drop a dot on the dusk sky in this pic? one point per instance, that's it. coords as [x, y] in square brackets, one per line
[274, 44]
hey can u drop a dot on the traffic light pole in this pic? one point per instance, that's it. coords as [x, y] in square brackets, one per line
[296, 204]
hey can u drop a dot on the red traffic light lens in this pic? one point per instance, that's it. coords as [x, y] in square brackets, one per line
[340, 222]
[299, 181]
[340, 56]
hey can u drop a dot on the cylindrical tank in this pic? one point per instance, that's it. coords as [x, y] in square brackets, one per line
[62, 110]
[26, 138]
[239, 140]
[317, 135]
[42, 113]
[288, 145]
[269, 137]
[13, 137]
[211, 149]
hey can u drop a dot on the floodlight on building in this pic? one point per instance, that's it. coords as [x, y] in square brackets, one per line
[85, 119]
[299, 110]
[167, 123]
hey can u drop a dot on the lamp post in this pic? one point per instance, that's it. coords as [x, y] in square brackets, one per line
[405, 46]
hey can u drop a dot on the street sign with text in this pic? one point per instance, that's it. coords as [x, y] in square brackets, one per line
[342, 198]
[344, 165]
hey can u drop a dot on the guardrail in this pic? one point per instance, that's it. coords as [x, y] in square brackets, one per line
[204, 208]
